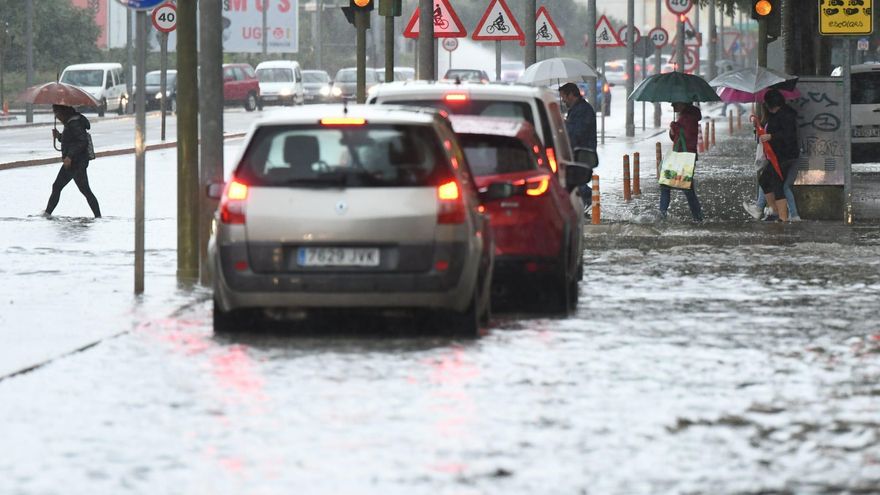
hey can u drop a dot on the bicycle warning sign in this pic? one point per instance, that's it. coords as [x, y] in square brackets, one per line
[606, 37]
[546, 32]
[446, 22]
[497, 24]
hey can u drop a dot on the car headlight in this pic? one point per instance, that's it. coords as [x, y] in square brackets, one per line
[336, 91]
[159, 95]
[325, 90]
[285, 92]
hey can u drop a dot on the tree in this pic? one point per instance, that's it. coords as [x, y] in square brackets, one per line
[63, 34]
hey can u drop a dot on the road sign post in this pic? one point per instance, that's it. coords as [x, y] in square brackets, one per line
[497, 24]
[165, 20]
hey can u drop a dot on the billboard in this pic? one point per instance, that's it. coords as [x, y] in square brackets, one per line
[99, 7]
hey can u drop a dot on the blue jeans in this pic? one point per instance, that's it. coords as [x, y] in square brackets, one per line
[790, 177]
[690, 194]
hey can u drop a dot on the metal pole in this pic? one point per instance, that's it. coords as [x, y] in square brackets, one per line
[319, 41]
[762, 43]
[140, 149]
[630, 67]
[263, 37]
[426, 40]
[657, 63]
[3, 27]
[497, 60]
[644, 75]
[129, 57]
[697, 27]
[679, 45]
[29, 54]
[211, 122]
[389, 48]
[361, 18]
[721, 31]
[530, 56]
[713, 42]
[847, 131]
[163, 82]
[436, 54]
[591, 52]
[187, 144]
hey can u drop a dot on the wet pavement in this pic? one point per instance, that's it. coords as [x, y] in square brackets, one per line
[729, 357]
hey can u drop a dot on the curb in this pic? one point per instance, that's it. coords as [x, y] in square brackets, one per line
[102, 154]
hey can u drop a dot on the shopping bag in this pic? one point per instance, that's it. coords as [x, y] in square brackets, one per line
[768, 150]
[677, 169]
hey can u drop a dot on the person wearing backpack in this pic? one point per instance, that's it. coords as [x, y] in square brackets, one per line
[76, 151]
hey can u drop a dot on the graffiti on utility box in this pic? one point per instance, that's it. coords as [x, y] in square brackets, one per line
[820, 131]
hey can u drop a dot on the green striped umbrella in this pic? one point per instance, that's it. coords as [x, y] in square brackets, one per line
[672, 87]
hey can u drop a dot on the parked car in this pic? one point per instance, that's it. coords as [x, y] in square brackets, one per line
[510, 71]
[318, 88]
[346, 81]
[469, 75]
[104, 81]
[373, 207]
[865, 116]
[281, 82]
[241, 87]
[615, 71]
[537, 232]
[154, 93]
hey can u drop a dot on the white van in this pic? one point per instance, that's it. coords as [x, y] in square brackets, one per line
[105, 81]
[280, 83]
[865, 116]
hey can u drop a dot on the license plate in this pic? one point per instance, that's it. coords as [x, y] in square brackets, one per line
[330, 256]
[270, 98]
[866, 132]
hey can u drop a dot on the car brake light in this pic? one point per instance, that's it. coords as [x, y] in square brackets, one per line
[537, 186]
[450, 203]
[343, 121]
[456, 97]
[232, 203]
[551, 158]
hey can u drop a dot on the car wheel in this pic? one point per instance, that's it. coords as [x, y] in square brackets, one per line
[464, 324]
[236, 320]
[250, 104]
[122, 102]
[102, 108]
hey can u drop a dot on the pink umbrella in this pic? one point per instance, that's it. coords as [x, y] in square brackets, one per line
[730, 95]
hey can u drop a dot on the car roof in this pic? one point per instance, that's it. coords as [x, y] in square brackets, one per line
[100, 65]
[424, 89]
[493, 126]
[277, 64]
[866, 67]
[316, 71]
[384, 114]
[169, 71]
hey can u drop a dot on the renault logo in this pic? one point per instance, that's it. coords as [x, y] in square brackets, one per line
[341, 207]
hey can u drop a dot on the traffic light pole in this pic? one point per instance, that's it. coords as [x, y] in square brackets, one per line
[591, 52]
[762, 43]
[389, 48]
[425, 47]
[361, 22]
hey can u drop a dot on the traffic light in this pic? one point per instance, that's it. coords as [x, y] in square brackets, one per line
[768, 10]
[356, 6]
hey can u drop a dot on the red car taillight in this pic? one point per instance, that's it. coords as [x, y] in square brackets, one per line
[450, 203]
[537, 186]
[232, 203]
[551, 158]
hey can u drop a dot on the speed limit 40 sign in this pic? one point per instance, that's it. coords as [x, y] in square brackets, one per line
[659, 37]
[679, 7]
[165, 17]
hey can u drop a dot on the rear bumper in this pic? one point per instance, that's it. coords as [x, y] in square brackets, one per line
[517, 268]
[267, 100]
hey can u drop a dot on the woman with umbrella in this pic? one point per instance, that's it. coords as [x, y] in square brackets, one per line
[781, 134]
[687, 125]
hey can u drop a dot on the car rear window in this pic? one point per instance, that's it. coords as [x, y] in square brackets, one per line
[346, 76]
[315, 77]
[490, 155]
[866, 88]
[486, 108]
[344, 156]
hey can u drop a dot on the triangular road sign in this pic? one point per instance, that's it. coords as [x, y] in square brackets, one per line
[730, 40]
[546, 32]
[497, 24]
[446, 22]
[690, 59]
[606, 36]
[691, 36]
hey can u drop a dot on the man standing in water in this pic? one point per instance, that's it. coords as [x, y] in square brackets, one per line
[74, 157]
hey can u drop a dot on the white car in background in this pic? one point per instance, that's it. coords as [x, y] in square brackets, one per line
[865, 118]
[104, 81]
[281, 83]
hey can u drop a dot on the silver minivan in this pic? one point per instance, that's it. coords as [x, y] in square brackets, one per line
[351, 207]
[104, 81]
[865, 116]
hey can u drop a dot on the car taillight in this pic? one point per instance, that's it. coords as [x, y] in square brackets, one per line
[537, 186]
[450, 204]
[456, 97]
[334, 121]
[551, 158]
[232, 203]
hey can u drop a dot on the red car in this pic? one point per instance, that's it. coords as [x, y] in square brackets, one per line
[241, 86]
[538, 232]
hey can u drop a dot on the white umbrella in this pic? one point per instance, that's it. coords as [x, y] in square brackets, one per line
[556, 70]
[750, 80]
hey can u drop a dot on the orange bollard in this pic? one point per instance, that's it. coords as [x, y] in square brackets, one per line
[713, 132]
[596, 212]
[637, 186]
[701, 144]
[659, 152]
[739, 118]
[707, 136]
[5, 107]
[627, 192]
[730, 122]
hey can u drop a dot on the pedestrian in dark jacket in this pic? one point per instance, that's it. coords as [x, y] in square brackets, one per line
[783, 138]
[74, 157]
[688, 122]
[580, 122]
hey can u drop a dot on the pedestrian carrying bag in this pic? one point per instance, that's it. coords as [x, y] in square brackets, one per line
[677, 169]
[91, 147]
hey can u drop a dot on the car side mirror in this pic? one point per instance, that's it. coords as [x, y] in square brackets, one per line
[576, 175]
[497, 190]
[214, 190]
[587, 157]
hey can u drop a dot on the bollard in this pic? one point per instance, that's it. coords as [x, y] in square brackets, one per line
[5, 107]
[596, 212]
[730, 122]
[627, 192]
[706, 126]
[713, 132]
[739, 118]
[659, 153]
[701, 143]
[637, 186]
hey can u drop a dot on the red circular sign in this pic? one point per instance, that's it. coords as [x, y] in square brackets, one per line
[659, 37]
[622, 35]
[165, 17]
[679, 6]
